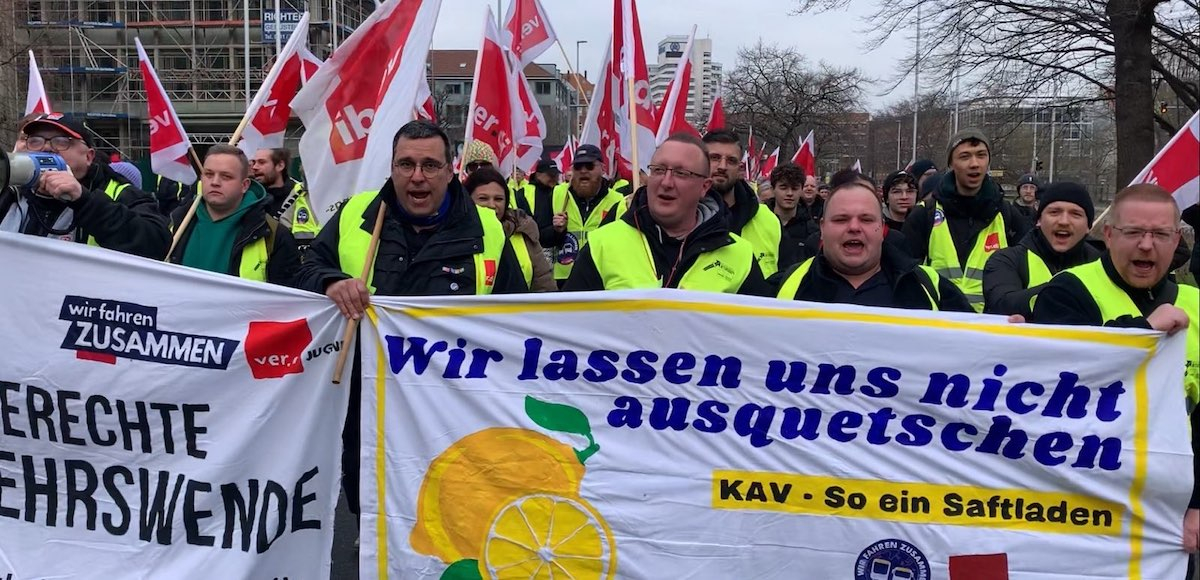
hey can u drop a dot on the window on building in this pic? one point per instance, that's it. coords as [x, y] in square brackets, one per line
[542, 87]
[454, 88]
[455, 115]
[99, 12]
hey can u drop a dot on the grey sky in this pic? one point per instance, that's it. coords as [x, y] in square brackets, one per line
[835, 38]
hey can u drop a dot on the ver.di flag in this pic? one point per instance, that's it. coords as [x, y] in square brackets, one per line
[527, 31]
[169, 143]
[629, 65]
[672, 115]
[36, 100]
[1177, 167]
[353, 106]
[271, 108]
[494, 106]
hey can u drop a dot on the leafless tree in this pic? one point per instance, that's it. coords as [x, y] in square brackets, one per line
[779, 93]
[1097, 49]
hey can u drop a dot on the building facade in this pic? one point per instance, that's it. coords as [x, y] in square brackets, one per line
[706, 74]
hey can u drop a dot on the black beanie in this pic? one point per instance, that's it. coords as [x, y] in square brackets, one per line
[920, 167]
[1068, 192]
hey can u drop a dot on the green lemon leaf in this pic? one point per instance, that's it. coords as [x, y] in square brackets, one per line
[463, 570]
[556, 417]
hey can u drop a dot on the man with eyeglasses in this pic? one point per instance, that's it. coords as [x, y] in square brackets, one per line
[578, 208]
[675, 234]
[1014, 276]
[748, 218]
[1129, 288]
[89, 203]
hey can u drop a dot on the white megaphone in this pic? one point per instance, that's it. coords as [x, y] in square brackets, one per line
[25, 168]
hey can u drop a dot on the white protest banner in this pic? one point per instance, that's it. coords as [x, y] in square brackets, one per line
[162, 422]
[677, 435]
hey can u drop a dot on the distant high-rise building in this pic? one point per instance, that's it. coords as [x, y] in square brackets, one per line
[706, 74]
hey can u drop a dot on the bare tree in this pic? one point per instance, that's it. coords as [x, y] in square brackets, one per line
[779, 93]
[1097, 49]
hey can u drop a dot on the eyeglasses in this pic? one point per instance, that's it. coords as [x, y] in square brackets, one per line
[662, 170]
[60, 143]
[585, 166]
[1136, 234]
[477, 165]
[428, 167]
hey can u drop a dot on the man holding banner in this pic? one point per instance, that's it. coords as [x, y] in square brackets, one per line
[1129, 288]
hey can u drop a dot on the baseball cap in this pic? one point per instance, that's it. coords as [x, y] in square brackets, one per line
[69, 125]
[587, 154]
[546, 166]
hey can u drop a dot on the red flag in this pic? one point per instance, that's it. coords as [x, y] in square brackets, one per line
[754, 157]
[566, 157]
[272, 105]
[771, 163]
[309, 64]
[672, 114]
[1177, 167]
[527, 31]
[600, 127]
[492, 115]
[630, 63]
[36, 101]
[169, 143]
[357, 101]
[805, 157]
[425, 107]
[716, 114]
[529, 128]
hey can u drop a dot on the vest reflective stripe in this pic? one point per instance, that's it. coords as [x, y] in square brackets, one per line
[304, 221]
[113, 191]
[1115, 303]
[623, 259]
[789, 288]
[254, 261]
[577, 229]
[353, 243]
[521, 248]
[943, 257]
[764, 232]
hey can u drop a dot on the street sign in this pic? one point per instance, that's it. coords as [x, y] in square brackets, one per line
[286, 25]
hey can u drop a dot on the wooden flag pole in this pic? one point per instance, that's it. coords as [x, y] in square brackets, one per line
[352, 325]
[574, 75]
[635, 165]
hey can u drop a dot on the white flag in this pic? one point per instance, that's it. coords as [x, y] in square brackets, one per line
[36, 101]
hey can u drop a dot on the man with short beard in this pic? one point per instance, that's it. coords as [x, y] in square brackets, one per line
[748, 218]
[966, 221]
[1027, 196]
[288, 199]
[1014, 276]
[579, 207]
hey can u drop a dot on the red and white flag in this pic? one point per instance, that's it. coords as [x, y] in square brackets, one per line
[309, 64]
[716, 114]
[36, 101]
[753, 157]
[1177, 167]
[359, 98]
[806, 157]
[770, 163]
[630, 63]
[672, 114]
[600, 128]
[527, 31]
[566, 157]
[425, 108]
[169, 143]
[271, 108]
[495, 102]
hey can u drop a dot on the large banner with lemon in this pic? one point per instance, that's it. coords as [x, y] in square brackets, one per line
[677, 435]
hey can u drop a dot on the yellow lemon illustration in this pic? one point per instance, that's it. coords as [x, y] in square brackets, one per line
[543, 536]
[480, 474]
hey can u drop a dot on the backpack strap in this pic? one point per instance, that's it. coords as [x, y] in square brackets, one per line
[273, 226]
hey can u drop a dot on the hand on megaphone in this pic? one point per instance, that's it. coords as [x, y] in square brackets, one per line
[27, 168]
[60, 185]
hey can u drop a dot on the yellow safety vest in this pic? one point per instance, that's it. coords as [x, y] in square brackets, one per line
[353, 243]
[764, 231]
[520, 245]
[944, 258]
[577, 228]
[530, 195]
[113, 191]
[515, 188]
[304, 221]
[254, 260]
[1115, 303]
[789, 288]
[1038, 272]
[623, 258]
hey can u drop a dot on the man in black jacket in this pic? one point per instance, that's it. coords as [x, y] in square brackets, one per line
[967, 220]
[675, 234]
[89, 203]
[855, 266]
[1014, 276]
[789, 183]
[231, 232]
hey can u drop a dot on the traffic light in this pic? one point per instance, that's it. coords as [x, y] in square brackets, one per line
[1038, 165]
[1162, 107]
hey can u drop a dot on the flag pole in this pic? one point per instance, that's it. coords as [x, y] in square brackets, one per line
[352, 325]
[636, 167]
[574, 75]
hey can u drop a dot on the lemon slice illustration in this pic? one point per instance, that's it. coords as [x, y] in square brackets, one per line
[546, 537]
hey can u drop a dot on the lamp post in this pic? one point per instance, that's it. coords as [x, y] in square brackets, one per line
[578, 85]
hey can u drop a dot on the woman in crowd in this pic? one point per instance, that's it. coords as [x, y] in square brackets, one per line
[489, 189]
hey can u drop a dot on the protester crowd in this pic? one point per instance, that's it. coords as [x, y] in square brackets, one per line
[925, 238]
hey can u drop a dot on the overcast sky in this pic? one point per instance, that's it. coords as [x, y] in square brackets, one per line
[834, 37]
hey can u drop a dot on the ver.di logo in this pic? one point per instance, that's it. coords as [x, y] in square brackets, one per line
[891, 560]
[104, 330]
[273, 349]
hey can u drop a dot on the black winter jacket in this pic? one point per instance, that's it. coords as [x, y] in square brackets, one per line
[1006, 275]
[283, 263]
[967, 216]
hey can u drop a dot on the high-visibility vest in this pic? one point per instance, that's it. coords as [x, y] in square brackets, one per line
[253, 265]
[578, 229]
[304, 220]
[944, 258]
[515, 188]
[113, 191]
[623, 258]
[1115, 303]
[353, 243]
[787, 290]
[529, 192]
[1038, 272]
[764, 231]
[520, 245]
